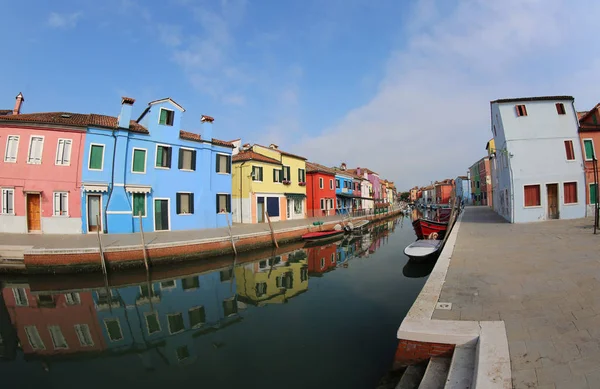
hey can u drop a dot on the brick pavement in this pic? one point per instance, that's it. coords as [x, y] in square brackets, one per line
[541, 279]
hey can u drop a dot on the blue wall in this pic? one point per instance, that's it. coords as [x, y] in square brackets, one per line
[344, 203]
[463, 189]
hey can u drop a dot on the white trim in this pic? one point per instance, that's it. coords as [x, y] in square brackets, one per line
[573, 146]
[91, 187]
[145, 205]
[252, 172]
[167, 100]
[118, 212]
[54, 341]
[54, 203]
[90, 156]
[2, 201]
[108, 332]
[91, 339]
[65, 140]
[41, 149]
[227, 194]
[118, 184]
[321, 183]
[156, 156]
[160, 113]
[585, 158]
[169, 323]
[168, 212]
[168, 287]
[188, 149]
[6, 150]
[191, 202]
[155, 314]
[230, 163]
[576, 192]
[133, 159]
[331, 184]
[532, 206]
[87, 213]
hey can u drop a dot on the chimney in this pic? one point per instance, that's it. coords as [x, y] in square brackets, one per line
[358, 171]
[273, 146]
[343, 166]
[18, 104]
[207, 122]
[126, 108]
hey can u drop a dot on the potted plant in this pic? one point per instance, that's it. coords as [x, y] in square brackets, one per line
[302, 183]
[286, 182]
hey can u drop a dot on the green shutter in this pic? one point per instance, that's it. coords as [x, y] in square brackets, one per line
[96, 155]
[158, 215]
[163, 116]
[589, 149]
[159, 156]
[139, 161]
[593, 193]
[139, 204]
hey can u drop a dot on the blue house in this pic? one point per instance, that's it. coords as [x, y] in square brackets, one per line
[174, 179]
[463, 189]
[343, 190]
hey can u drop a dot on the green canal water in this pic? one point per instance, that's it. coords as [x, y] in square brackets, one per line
[316, 317]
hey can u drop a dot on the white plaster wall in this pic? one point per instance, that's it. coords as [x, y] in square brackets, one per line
[61, 225]
[13, 224]
[246, 206]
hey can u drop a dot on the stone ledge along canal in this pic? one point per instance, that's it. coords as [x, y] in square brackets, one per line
[298, 317]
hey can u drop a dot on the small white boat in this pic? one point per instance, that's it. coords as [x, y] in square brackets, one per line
[360, 225]
[423, 249]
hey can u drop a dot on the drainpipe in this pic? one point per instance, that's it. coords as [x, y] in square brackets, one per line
[112, 182]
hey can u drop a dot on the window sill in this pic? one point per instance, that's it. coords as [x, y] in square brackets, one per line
[567, 204]
[62, 164]
[137, 217]
[162, 168]
[132, 172]
[7, 214]
[225, 174]
[61, 216]
[5, 161]
[256, 180]
[95, 170]
[531, 207]
[186, 170]
[223, 213]
[184, 214]
[34, 163]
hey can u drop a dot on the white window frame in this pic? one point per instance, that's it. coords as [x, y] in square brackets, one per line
[41, 345]
[283, 173]
[18, 137]
[154, 313]
[154, 212]
[160, 114]
[54, 204]
[323, 263]
[73, 298]
[323, 201]
[574, 155]
[593, 148]
[228, 194]
[258, 168]
[168, 287]
[18, 301]
[41, 149]
[54, 340]
[190, 197]
[321, 182]
[12, 206]
[145, 205]
[79, 328]
[90, 156]
[230, 163]
[332, 258]
[576, 192]
[145, 159]
[64, 140]
[303, 173]
[194, 308]
[120, 328]
[541, 197]
[187, 149]
[156, 156]
[169, 323]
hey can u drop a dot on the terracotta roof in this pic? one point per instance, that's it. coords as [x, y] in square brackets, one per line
[526, 99]
[579, 114]
[74, 119]
[364, 169]
[312, 167]
[197, 138]
[5, 112]
[251, 155]
[291, 155]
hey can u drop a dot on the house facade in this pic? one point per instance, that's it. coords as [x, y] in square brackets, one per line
[443, 191]
[589, 135]
[463, 189]
[485, 181]
[492, 195]
[366, 189]
[539, 159]
[344, 186]
[475, 183]
[267, 180]
[320, 190]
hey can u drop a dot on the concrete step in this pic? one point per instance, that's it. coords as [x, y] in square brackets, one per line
[462, 367]
[412, 377]
[13, 252]
[436, 373]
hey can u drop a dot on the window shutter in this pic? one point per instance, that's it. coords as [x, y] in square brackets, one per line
[194, 160]
[169, 149]
[228, 197]
[57, 203]
[191, 203]
[274, 175]
[178, 203]
[66, 156]
[217, 202]
[229, 164]
[180, 166]
[59, 151]
[217, 163]
[163, 116]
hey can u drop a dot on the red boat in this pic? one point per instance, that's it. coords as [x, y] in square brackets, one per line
[424, 228]
[321, 235]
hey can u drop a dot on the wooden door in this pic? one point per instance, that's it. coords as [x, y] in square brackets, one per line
[552, 190]
[161, 215]
[94, 215]
[34, 222]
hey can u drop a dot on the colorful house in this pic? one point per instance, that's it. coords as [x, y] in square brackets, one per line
[463, 189]
[320, 190]
[539, 167]
[267, 180]
[344, 187]
[492, 193]
[366, 189]
[475, 183]
[589, 135]
[485, 181]
[174, 179]
[322, 259]
[444, 191]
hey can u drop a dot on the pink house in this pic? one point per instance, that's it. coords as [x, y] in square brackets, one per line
[41, 174]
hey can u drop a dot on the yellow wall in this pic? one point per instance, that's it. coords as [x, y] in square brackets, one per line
[294, 164]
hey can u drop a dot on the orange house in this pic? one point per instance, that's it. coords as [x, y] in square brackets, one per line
[443, 191]
[589, 134]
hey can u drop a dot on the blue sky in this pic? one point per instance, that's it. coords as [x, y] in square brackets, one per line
[401, 87]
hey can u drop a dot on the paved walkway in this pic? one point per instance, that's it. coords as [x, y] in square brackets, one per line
[541, 279]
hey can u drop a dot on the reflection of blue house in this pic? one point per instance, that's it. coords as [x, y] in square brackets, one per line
[343, 191]
[169, 318]
[176, 180]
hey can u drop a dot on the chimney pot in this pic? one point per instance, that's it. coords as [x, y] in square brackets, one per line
[18, 104]
[125, 115]
[273, 146]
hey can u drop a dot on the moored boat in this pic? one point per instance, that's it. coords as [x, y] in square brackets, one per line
[425, 228]
[422, 250]
[321, 235]
[360, 225]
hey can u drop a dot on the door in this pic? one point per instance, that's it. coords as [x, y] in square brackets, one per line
[34, 222]
[260, 209]
[94, 216]
[161, 215]
[552, 190]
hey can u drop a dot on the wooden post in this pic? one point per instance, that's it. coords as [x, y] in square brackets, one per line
[272, 232]
[596, 210]
[143, 242]
[102, 261]
[231, 235]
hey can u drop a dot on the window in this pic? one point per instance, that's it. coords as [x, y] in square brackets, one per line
[337, 183]
[72, 298]
[61, 204]
[197, 316]
[521, 110]
[277, 175]
[167, 284]
[96, 157]
[532, 196]
[223, 163]
[152, 322]
[58, 339]
[261, 289]
[84, 335]
[20, 297]
[63, 152]
[303, 274]
[262, 264]
[33, 336]
[175, 323]
[35, 150]
[166, 117]
[569, 150]
[322, 204]
[12, 147]
[229, 306]
[560, 108]
[163, 157]
[593, 193]
[113, 327]
[301, 175]
[570, 190]
[331, 183]
[190, 283]
[322, 263]
[187, 159]
[321, 184]
[8, 201]
[139, 204]
[223, 203]
[330, 204]
[287, 174]
[257, 173]
[185, 203]
[226, 275]
[590, 153]
[138, 162]
[477, 184]
[183, 353]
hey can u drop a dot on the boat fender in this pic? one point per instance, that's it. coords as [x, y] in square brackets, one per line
[433, 236]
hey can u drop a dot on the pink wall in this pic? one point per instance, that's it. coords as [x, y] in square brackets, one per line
[47, 176]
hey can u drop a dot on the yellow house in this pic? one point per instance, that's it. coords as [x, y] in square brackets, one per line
[267, 180]
[273, 280]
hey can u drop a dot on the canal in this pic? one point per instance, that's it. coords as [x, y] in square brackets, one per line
[297, 317]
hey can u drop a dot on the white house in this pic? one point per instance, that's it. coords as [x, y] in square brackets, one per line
[539, 166]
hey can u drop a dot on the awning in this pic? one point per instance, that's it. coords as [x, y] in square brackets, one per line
[95, 187]
[295, 196]
[138, 188]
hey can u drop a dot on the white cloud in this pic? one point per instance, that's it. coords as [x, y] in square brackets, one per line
[64, 21]
[170, 34]
[429, 119]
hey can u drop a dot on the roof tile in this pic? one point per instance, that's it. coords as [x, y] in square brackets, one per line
[74, 119]
[198, 138]
[251, 155]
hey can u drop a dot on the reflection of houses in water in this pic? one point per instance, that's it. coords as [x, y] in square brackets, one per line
[54, 324]
[321, 259]
[347, 249]
[8, 335]
[167, 316]
[273, 280]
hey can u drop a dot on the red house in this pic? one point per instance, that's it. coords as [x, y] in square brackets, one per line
[443, 191]
[320, 190]
[322, 259]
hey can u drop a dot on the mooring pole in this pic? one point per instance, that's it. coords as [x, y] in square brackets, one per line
[231, 234]
[143, 243]
[597, 194]
[102, 261]
[272, 232]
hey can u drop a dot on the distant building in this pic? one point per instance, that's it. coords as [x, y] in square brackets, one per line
[589, 134]
[481, 182]
[320, 190]
[443, 191]
[463, 189]
[344, 189]
[366, 188]
[539, 159]
[491, 187]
